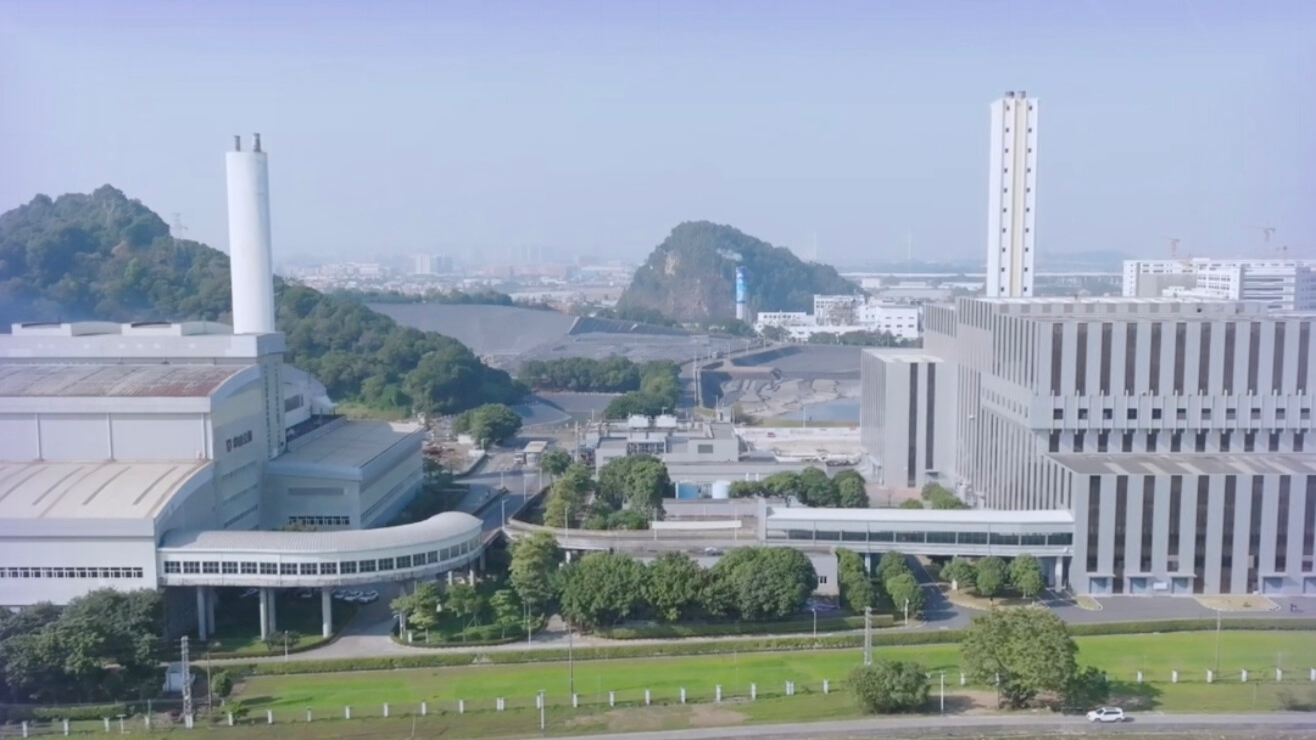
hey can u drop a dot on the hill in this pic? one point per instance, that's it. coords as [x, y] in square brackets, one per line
[104, 256]
[691, 275]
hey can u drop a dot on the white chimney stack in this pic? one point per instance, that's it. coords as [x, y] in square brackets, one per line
[251, 263]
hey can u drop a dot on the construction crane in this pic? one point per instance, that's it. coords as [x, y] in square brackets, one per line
[1266, 233]
[1174, 246]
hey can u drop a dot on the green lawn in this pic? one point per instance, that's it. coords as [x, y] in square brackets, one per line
[1121, 656]
[238, 620]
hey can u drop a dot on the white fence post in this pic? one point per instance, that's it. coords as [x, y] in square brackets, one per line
[575, 701]
[461, 706]
[962, 679]
[1279, 674]
[682, 694]
[1174, 677]
[347, 712]
[230, 719]
[539, 701]
[308, 715]
[647, 698]
[1139, 676]
[501, 704]
[25, 727]
[717, 690]
[1210, 675]
[147, 720]
[612, 698]
[107, 724]
[1313, 674]
[753, 691]
[424, 709]
[827, 686]
[1244, 675]
[269, 716]
[385, 709]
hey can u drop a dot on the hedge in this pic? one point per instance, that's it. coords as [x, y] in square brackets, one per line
[23, 713]
[718, 629]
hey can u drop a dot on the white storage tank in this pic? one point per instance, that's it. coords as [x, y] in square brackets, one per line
[722, 489]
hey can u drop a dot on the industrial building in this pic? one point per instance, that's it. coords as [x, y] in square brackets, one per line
[1279, 285]
[1174, 432]
[160, 454]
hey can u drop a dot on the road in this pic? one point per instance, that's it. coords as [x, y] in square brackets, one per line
[959, 726]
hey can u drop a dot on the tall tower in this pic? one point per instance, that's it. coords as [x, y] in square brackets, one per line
[250, 259]
[742, 280]
[1012, 196]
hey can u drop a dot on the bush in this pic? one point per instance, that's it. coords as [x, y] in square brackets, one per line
[221, 684]
[81, 712]
[708, 629]
[889, 686]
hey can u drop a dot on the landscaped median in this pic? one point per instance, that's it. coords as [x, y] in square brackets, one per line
[726, 629]
[679, 648]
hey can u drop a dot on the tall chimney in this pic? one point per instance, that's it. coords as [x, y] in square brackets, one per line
[251, 263]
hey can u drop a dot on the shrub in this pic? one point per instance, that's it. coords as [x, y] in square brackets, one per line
[221, 684]
[889, 686]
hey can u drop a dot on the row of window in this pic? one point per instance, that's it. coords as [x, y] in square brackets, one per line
[97, 573]
[321, 521]
[937, 538]
[345, 567]
[1182, 414]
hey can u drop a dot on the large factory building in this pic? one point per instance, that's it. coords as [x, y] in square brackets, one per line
[163, 454]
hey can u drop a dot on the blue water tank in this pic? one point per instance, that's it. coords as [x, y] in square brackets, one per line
[687, 490]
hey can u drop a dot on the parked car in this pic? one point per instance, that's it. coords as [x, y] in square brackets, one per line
[1106, 714]
[367, 597]
[305, 593]
[710, 551]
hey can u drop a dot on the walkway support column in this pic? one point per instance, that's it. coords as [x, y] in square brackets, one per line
[326, 613]
[1060, 573]
[212, 598]
[201, 611]
[264, 597]
[274, 611]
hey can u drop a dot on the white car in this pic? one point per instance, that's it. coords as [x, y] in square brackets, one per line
[1106, 714]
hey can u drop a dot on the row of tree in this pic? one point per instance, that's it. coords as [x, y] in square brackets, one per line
[991, 576]
[628, 494]
[604, 588]
[100, 647]
[444, 297]
[811, 487]
[614, 374]
[862, 339]
[934, 496]
[659, 392]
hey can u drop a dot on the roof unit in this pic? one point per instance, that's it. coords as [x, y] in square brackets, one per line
[75, 329]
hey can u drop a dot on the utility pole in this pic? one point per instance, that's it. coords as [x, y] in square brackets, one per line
[571, 658]
[187, 679]
[1217, 642]
[868, 635]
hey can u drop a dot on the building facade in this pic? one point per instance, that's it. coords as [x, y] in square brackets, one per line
[1012, 196]
[1279, 285]
[898, 417]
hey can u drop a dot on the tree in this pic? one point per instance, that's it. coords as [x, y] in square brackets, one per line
[1026, 576]
[488, 424]
[638, 482]
[889, 686]
[221, 684]
[959, 572]
[673, 586]
[911, 503]
[555, 462]
[816, 488]
[903, 588]
[989, 576]
[602, 588]
[464, 601]
[851, 493]
[785, 484]
[767, 582]
[747, 488]
[852, 581]
[279, 641]
[893, 563]
[535, 557]
[1088, 687]
[420, 608]
[940, 497]
[506, 609]
[1030, 650]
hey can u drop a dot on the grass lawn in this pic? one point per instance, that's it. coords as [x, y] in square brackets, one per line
[238, 620]
[1121, 656]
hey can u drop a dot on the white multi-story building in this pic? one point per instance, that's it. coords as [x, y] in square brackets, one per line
[1175, 433]
[836, 310]
[901, 320]
[1285, 285]
[1012, 196]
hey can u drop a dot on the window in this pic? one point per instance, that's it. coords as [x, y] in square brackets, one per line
[1156, 413]
[1058, 414]
[1108, 413]
[1280, 414]
[1206, 414]
[822, 580]
[287, 569]
[404, 561]
[191, 566]
[249, 568]
[309, 569]
[1256, 414]
[347, 567]
[386, 563]
[704, 449]
[367, 566]
[433, 556]
[1082, 413]
[210, 566]
[1181, 414]
[445, 554]
[171, 566]
[269, 569]
[328, 569]
[228, 567]
[1230, 414]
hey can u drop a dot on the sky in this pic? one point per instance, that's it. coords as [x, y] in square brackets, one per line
[477, 128]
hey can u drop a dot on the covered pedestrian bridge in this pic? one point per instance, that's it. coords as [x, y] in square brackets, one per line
[322, 560]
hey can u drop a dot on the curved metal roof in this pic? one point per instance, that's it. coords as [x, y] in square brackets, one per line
[445, 526]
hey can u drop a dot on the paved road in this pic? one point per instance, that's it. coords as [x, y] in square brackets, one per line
[1198, 724]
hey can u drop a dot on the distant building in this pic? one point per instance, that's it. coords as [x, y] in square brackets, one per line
[664, 437]
[431, 264]
[1012, 196]
[1283, 285]
[836, 310]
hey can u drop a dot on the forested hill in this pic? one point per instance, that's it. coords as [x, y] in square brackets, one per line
[104, 256]
[691, 275]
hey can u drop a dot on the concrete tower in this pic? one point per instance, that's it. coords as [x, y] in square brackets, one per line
[250, 259]
[742, 281]
[1012, 196]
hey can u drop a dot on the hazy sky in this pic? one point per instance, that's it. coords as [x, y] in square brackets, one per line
[597, 126]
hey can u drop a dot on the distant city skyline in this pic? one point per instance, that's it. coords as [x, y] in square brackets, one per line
[594, 128]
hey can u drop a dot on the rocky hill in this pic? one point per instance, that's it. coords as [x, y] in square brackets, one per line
[691, 276]
[104, 256]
